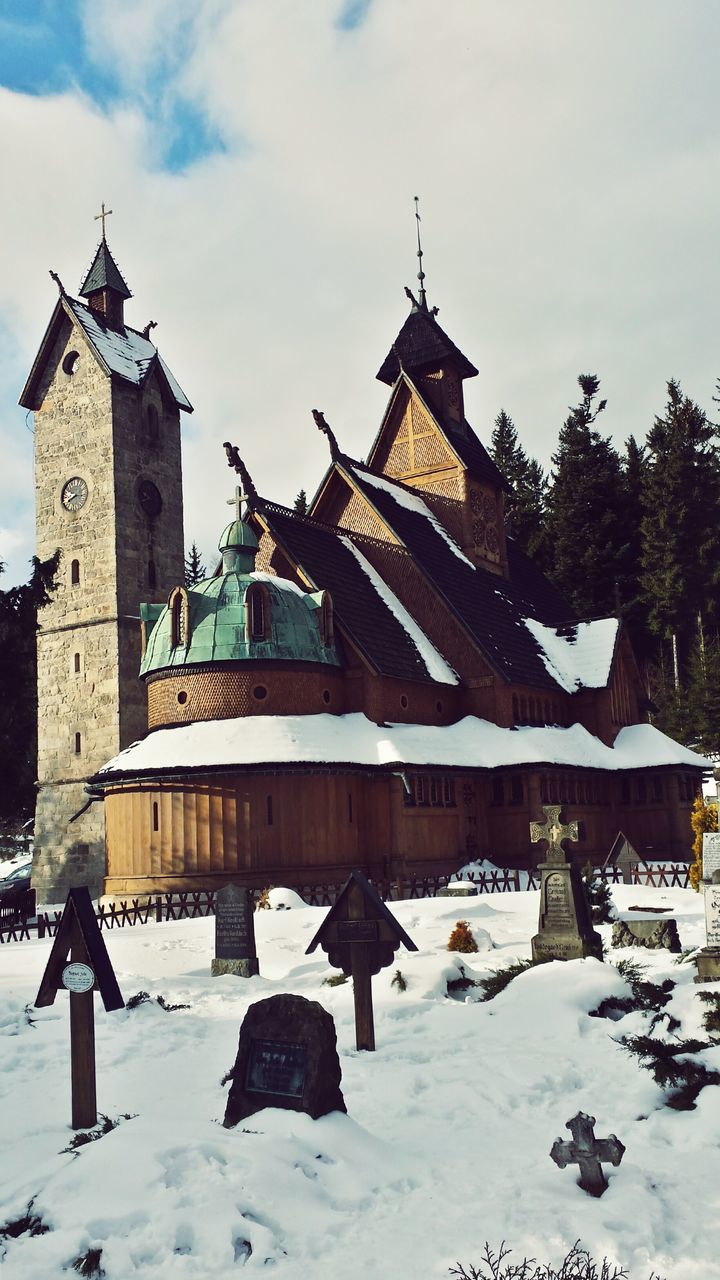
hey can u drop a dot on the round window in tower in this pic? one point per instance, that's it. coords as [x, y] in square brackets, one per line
[182, 697]
[326, 696]
[259, 692]
[70, 363]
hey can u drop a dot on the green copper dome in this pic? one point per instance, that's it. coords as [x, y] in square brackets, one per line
[219, 621]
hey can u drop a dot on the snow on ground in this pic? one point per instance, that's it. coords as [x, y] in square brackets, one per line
[449, 1123]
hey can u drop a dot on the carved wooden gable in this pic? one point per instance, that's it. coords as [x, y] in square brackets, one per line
[410, 444]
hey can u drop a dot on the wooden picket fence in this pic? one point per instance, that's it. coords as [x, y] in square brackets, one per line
[190, 905]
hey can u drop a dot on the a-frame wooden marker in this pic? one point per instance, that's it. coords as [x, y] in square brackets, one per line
[80, 941]
[361, 937]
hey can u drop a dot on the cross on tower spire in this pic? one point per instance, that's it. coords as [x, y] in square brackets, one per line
[421, 274]
[237, 501]
[101, 216]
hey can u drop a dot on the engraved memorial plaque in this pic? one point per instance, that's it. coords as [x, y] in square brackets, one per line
[357, 930]
[278, 1067]
[558, 914]
[234, 924]
[712, 914]
[710, 854]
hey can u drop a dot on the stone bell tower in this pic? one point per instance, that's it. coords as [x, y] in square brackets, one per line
[108, 488]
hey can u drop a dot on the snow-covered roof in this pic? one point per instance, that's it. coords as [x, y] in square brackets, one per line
[411, 503]
[437, 668]
[578, 656]
[124, 351]
[355, 740]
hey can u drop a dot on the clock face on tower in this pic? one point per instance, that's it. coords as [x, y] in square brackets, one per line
[74, 494]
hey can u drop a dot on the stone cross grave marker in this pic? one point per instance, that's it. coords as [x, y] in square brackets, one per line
[587, 1151]
[235, 933]
[565, 929]
[287, 1057]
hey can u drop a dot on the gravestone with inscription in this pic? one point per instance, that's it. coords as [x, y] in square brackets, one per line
[235, 933]
[708, 960]
[287, 1057]
[565, 929]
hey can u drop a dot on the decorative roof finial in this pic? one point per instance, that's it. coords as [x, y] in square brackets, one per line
[235, 461]
[101, 216]
[421, 273]
[58, 282]
[322, 425]
[152, 324]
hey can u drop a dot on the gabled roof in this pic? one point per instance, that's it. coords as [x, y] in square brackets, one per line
[459, 436]
[124, 352]
[421, 344]
[104, 273]
[492, 609]
[320, 553]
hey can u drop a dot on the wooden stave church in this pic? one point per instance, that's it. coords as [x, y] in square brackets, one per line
[420, 523]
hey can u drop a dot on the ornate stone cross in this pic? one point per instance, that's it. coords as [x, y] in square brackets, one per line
[554, 832]
[587, 1151]
[102, 215]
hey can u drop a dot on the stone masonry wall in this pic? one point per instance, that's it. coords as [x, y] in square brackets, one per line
[90, 699]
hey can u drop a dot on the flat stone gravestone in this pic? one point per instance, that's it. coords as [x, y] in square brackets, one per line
[235, 933]
[287, 1057]
[587, 1151]
[565, 929]
[658, 933]
[710, 855]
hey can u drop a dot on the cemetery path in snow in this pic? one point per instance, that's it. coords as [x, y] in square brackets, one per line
[449, 1127]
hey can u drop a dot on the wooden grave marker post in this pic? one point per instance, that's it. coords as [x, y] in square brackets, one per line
[360, 937]
[80, 941]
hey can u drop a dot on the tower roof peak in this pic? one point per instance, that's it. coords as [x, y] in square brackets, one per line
[104, 273]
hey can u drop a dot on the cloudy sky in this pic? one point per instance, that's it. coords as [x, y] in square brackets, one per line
[261, 158]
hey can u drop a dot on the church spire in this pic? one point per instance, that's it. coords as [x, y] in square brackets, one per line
[103, 286]
[422, 296]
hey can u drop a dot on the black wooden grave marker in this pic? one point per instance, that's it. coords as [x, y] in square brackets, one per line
[79, 940]
[360, 937]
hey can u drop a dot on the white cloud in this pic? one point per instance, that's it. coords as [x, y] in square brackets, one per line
[567, 162]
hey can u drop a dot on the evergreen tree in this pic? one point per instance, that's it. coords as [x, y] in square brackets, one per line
[525, 505]
[634, 606]
[195, 570]
[702, 694]
[18, 688]
[587, 526]
[681, 527]
[301, 503]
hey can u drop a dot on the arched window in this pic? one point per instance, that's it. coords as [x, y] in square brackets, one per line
[152, 575]
[76, 663]
[75, 573]
[257, 613]
[178, 606]
[78, 744]
[156, 816]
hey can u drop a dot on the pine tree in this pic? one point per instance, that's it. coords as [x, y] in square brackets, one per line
[525, 505]
[681, 527]
[195, 570]
[18, 688]
[587, 525]
[634, 607]
[301, 503]
[702, 693]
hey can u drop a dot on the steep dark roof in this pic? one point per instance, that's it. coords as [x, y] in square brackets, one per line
[490, 607]
[422, 343]
[104, 273]
[324, 559]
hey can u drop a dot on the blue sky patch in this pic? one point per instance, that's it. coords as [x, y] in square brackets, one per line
[43, 51]
[353, 14]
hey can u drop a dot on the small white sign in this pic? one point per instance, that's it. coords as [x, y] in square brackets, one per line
[77, 977]
[712, 914]
[710, 853]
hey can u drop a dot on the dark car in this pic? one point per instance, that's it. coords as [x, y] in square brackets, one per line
[14, 891]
